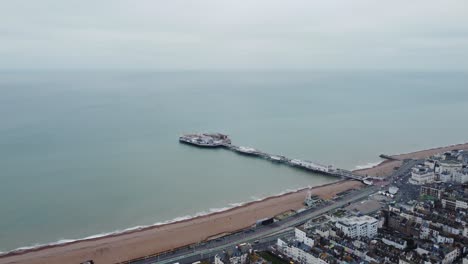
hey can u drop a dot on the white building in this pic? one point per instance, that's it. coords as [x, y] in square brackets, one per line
[445, 176]
[450, 165]
[450, 256]
[323, 231]
[430, 163]
[298, 252]
[461, 176]
[395, 242]
[421, 175]
[454, 204]
[239, 255]
[393, 190]
[300, 248]
[355, 227]
[218, 260]
[301, 236]
[239, 259]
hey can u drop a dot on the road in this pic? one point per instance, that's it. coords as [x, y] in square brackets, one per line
[265, 234]
[407, 191]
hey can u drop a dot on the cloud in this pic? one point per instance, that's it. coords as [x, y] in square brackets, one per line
[221, 34]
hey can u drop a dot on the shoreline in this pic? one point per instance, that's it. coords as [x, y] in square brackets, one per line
[134, 241]
[131, 230]
[386, 167]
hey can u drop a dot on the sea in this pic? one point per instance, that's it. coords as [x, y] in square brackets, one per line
[87, 153]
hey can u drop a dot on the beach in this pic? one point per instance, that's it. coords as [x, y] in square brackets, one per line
[131, 245]
[155, 239]
[386, 167]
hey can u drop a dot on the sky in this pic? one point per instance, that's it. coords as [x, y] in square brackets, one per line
[238, 35]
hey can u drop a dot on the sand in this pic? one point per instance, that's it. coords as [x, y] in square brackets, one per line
[122, 247]
[155, 239]
[386, 168]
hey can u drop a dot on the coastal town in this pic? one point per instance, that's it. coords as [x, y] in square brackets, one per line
[418, 215]
[234, 132]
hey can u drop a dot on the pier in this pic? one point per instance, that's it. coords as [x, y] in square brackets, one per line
[218, 140]
[388, 157]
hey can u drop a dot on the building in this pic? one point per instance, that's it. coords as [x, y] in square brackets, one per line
[450, 165]
[394, 241]
[238, 255]
[302, 237]
[454, 203]
[450, 254]
[422, 175]
[323, 231]
[300, 248]
[465, 260]
[299, 252]
[445, 176]
[220, 259]
[358, 226]
[393, 190]
[430, 164]
[312, 200]
[461, 176]
[433, 191]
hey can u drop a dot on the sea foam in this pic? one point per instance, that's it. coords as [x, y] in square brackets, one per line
[136, 228]
[368, 165]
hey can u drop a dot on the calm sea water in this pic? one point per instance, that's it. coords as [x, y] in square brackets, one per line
[85, 153]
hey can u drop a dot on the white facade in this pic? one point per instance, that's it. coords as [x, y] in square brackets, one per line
[444, 240]
[450, 166]
[393, 190]
[323, 232]
[298, 254]
[301, 236]
[354, 227]
[460, 176]
[421, 251]
[421, 175]
[397, 244]
[430, 163]
[459, 204]
[445, 177]
[450, 257]
[242, 259]
[217, 260]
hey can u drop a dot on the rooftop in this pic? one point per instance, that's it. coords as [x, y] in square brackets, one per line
[357, 220]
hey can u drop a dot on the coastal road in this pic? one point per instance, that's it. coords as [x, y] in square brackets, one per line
[263, 234]
[267, 235]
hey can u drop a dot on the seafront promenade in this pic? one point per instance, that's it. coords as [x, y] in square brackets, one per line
[266, 234]
[217, 246]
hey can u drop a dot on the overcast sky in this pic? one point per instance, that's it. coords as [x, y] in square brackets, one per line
[249, 34]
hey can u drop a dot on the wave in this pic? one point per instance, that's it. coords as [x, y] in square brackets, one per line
[140, 227]
[367, 166]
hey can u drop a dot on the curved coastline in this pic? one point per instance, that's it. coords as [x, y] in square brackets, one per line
[386, 167]
[104, 246]
[180, 219]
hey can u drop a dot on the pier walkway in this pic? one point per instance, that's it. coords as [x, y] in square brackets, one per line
[206, 140]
